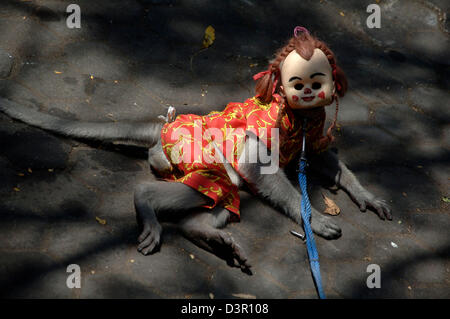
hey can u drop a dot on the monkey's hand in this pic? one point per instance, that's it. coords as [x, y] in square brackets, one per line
[328, 163]
[366, 199]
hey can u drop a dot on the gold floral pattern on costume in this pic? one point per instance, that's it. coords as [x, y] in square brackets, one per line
[191, 148]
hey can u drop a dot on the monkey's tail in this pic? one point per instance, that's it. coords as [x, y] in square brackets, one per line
[147, 133]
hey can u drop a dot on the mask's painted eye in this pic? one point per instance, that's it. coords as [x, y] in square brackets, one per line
[316, 86]
[298, 86]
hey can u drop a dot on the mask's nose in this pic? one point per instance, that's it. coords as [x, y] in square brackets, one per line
[307, 91]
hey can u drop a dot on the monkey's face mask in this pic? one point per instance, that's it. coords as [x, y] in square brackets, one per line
[307, 83]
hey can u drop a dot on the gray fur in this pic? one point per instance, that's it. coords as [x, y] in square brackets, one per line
[141, 133]
[157, 159]
[162, 201]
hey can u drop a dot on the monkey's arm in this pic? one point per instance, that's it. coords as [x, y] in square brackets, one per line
[328, 164]
[275, 188]
[278, 190]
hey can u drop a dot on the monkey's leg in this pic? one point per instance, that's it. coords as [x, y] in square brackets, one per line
[163, 201]
[328, 164]
[202, 228]
[278, 190]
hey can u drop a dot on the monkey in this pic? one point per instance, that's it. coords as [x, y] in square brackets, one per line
[310, 80]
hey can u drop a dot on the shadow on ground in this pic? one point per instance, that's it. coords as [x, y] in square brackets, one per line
[130, 60]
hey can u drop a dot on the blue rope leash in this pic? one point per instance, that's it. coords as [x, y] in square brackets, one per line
[306, 216]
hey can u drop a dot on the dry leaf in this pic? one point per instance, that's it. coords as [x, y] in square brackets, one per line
[100, 221]
[331, 207]
[210, 36]
[244, 296]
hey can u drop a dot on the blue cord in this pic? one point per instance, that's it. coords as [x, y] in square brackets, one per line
[306, 216]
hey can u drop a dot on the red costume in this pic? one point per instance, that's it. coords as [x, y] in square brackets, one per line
[187, 144]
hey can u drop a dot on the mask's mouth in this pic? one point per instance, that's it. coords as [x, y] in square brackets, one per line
[308, 98]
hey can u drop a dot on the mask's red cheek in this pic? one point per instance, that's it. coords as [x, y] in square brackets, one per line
[294, 98]
[321, 95]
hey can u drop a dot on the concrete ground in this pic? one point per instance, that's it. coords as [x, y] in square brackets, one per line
[131, 59]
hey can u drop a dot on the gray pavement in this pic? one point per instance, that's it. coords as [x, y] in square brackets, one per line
[131, 59]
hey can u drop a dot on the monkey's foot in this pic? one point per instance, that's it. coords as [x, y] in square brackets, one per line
[366, 199]
[150, 238]
[225, 246]
[219, 243]
[324, 227]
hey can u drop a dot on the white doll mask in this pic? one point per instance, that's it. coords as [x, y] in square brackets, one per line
[307, 84]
